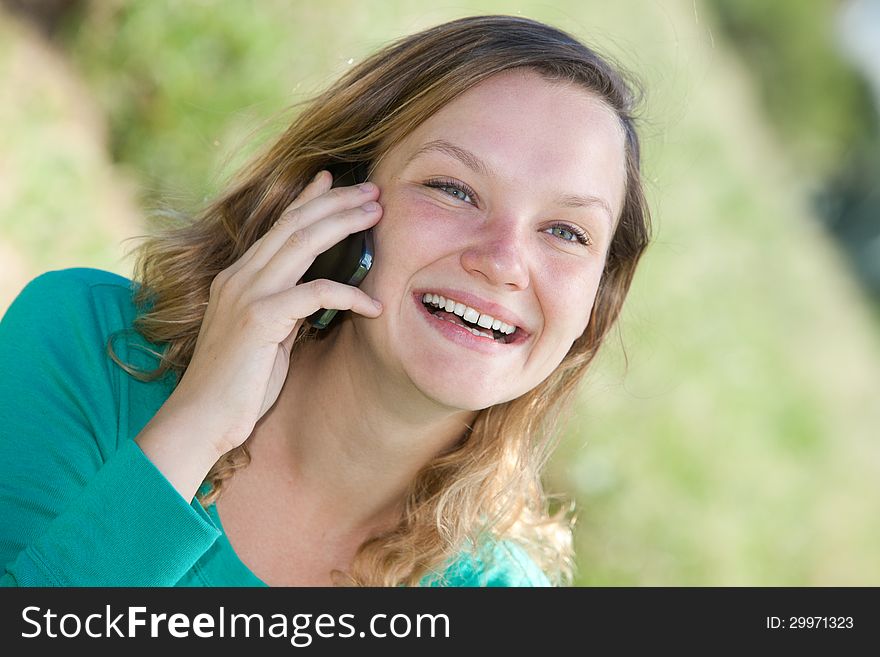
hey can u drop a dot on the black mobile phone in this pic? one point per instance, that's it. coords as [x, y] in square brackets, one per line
[347, 261]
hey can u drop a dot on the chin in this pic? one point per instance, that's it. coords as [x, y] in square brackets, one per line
[454, 379]
[461, 393]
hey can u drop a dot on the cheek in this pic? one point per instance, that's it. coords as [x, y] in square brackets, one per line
[426, 220]
[405, 239]
[568, 294]
[412, 230]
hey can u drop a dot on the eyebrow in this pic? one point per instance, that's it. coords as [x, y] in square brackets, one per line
[475, 164]
[462, 154]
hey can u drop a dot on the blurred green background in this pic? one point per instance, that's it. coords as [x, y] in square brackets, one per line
[728, 434]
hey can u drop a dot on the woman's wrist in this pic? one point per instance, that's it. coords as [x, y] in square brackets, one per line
[170, 446]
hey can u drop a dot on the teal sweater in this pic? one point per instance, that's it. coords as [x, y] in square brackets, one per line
[80, 503]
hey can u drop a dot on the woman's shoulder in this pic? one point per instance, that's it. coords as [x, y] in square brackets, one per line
[75, 280]
[77, 295]
[502, 563]
[66, 316]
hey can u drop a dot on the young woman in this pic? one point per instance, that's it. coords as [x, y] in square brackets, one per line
[191, 428]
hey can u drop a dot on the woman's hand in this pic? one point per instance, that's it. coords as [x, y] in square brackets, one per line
[255, 309]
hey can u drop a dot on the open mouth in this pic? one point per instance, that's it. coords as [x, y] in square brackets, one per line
[478, 325]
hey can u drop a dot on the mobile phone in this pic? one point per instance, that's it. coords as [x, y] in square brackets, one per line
[347, 261]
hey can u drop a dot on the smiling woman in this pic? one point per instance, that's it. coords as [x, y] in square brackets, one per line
[489, 222]
[221, 439]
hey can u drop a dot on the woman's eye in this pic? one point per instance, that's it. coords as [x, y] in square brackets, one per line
[454, 189]
[572, 234]
[464, 193]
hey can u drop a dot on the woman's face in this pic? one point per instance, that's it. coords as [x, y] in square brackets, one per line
[483, 205]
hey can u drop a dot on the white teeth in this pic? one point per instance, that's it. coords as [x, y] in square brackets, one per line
[469, 314]
[473, 330]
[484, 334]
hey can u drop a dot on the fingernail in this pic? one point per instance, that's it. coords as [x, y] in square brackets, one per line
[318, 176]
[378, 304]
[371, 206]
[367, 187]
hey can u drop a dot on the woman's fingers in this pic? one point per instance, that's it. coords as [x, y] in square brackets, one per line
[317, 186]
[299, 251]
[295, 219]
[294, 303]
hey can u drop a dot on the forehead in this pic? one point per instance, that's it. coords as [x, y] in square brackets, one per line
[523, 125]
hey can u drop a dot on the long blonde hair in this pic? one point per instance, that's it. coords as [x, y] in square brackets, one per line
[489, 485]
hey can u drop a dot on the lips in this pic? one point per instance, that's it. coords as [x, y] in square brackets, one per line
[479, 304]
[458, 313]
[463, 336]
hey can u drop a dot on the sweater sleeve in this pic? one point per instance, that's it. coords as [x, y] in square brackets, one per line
[80, 503]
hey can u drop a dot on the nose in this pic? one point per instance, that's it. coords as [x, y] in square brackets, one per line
[498, 255]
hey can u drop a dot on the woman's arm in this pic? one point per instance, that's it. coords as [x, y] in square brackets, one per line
[80, 503]
[83, 504]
